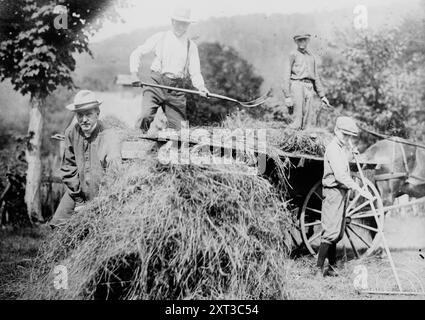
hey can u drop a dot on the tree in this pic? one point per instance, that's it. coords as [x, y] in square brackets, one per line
[37, 41]
[378, 77]
[225, 73]
[362, 81]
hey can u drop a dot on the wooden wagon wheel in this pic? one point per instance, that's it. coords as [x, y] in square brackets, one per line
[361, 229]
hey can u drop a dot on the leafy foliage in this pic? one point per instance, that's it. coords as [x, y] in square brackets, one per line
[36, 55]
[37, 41]
[225, 73]
[379, 77]
[362, 81]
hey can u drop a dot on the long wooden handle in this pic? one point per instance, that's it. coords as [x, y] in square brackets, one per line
[380, 227]
[211, 95]
[142, 84]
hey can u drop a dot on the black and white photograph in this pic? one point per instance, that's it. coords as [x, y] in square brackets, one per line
[233, 151]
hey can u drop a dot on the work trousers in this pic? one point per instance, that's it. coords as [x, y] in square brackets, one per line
[302, 95]
[64, 211]
[173, 103]
[333, 214]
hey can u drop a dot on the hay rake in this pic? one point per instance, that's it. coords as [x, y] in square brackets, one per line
[247, 104]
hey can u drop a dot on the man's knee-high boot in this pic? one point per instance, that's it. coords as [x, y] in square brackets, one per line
[323, 253]
[332, 255]
[331, 272]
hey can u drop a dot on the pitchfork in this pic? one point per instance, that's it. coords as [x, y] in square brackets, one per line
[246, 104]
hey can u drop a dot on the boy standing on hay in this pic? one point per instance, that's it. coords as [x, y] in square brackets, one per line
[336, 182]
[89, 149]
[300, 81]
[176, 63]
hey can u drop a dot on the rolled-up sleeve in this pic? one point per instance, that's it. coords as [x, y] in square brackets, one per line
[69, 170]
[318, 82]
[287, 75]
[149, 45]
[195, 68]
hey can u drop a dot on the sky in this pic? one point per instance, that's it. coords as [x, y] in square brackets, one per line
[140, 14]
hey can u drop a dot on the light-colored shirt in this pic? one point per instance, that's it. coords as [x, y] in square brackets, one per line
[170, 57]
[302, 65]
[336, 171]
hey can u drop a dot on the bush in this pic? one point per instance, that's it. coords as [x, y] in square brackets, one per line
[225, 73]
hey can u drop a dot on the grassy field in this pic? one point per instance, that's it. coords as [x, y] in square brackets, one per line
[18, 247]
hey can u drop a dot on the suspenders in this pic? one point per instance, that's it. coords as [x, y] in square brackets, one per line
[186, 66]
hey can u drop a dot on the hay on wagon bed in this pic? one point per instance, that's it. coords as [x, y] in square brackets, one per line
[171, 232]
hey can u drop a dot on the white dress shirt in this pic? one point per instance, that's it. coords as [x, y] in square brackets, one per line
[170, 57]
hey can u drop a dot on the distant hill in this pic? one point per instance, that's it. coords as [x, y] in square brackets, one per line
[262, 40]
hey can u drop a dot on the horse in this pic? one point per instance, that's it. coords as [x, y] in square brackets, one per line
[401, 169]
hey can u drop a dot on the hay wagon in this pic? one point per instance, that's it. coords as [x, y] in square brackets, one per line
[303, 174]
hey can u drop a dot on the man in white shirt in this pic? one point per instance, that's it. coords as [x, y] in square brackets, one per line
[176, 60]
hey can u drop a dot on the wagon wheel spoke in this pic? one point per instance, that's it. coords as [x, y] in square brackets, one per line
[314, 210]
[359, 236]
[314, 237]
[352, 244]
[363, 214]
[317, 222]
[352, 202]
[378, 216]
[318, 195]
[359, 207]
[364, 226]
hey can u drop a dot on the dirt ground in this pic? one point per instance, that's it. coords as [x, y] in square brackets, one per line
[405, 235]
[406, 238]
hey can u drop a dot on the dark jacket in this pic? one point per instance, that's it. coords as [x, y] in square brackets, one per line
[85, 159]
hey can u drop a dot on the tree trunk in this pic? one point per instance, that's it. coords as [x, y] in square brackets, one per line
[33, 156]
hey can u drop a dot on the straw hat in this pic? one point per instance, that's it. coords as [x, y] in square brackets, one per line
[84, 100]
[182, 14]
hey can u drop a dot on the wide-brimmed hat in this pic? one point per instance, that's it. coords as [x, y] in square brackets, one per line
[302, 36]
[182, 14]
[84, 100]
[347, 125]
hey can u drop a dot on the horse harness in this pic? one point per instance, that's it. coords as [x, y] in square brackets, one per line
[398, 175]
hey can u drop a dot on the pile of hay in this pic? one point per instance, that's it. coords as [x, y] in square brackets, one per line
[171, 232]
[180, 231]
[311, 141]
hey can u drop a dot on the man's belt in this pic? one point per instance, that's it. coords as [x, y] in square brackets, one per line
[168, 76]
[168, 80]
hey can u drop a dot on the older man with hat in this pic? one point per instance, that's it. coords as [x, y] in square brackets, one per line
[301, 79]
[336, 182]
[89, 149]
[176, 63]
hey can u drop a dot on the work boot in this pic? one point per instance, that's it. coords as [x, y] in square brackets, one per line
[331, 272]
[318, 272]
[323, 253]
[332, 254]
